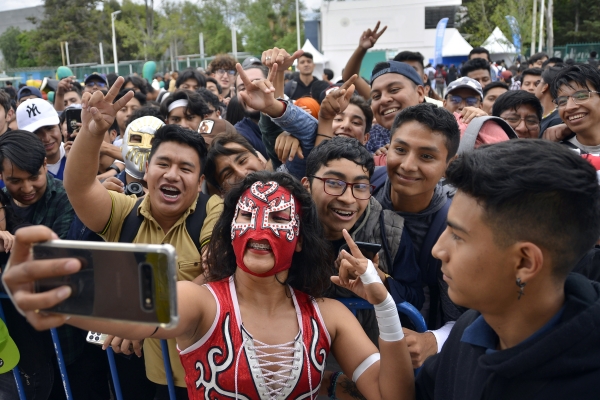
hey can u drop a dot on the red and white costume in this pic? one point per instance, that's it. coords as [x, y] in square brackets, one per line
[226, 363]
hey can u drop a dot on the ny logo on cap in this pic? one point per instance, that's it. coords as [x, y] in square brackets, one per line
[32, 110]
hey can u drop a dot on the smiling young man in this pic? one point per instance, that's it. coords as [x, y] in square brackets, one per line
[38, 116]
[173, 175]
[337, 177]
[424, 140]
[524, 213]
[575, 92]
[522, 110]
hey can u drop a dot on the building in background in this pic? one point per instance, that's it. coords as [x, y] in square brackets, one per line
[411, 26]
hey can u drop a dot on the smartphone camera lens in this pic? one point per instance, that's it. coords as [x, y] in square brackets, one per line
[147, 291]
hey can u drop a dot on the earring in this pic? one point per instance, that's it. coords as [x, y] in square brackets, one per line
[521, 286]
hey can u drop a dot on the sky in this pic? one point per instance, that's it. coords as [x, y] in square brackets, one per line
[13, 4]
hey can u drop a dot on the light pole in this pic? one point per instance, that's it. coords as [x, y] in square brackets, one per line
[113, 16]
[298, 24]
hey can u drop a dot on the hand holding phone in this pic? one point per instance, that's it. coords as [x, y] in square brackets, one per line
[73, 118]
[117, 281]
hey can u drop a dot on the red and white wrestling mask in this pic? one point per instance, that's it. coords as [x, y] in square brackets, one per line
[258, 202]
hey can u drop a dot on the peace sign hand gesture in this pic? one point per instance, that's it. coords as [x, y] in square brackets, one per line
[368, 284]
[369, 37]
[98, 111]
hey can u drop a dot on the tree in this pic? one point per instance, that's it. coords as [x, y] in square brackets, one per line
[9, 45]
[576, 21]
[75, 21]
[270, 23]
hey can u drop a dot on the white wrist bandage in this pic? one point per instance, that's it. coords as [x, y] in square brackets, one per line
[370, 275]
[390, 328]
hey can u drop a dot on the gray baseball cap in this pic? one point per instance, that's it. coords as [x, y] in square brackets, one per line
[467, 83]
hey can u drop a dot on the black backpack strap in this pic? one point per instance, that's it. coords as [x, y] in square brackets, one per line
[194, 221]
[426, 259]
[467, 141]
[131, 223]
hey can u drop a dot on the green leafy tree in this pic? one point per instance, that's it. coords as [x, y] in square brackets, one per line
[9, 46]
[576, 21]
[77, 22]
[269, 23]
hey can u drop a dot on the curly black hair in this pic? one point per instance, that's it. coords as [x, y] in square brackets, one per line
[311, 268]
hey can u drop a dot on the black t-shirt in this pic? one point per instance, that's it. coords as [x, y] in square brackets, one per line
[23, 213]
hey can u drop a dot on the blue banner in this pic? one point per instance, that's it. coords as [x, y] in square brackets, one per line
[516, 33]
[439, 39]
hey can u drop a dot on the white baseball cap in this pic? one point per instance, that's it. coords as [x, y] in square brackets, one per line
[32, 114]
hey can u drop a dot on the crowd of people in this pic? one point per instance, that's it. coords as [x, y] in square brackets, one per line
[478, 184]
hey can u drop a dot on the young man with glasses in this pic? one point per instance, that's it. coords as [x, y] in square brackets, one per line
[463, 92]
[94, 82]
[222, 68]
[522, 110]
[575, 92]
[337, 177]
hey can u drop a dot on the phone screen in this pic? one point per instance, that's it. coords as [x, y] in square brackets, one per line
[132, 285]
[73, 118]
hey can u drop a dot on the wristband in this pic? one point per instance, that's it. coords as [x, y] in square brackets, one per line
[114, 167]
[333, 384]
[388, 320]
[370, 275]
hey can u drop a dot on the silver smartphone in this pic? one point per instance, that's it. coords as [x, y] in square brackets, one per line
[117, 281]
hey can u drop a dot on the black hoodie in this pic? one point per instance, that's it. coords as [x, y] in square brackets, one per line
[563, 363]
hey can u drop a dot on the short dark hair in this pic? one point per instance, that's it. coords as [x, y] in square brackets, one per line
[582, 74]
[139, 96]
[438, 119]
[221, 61]
[307, 55]
[196, 104]
[516, 98]
[310, 269]
[145, 111]
[191, 74]
[474, 65]
[23, 149]
[339, 147]
[550, 73]
[5, 101]
[209, 98]
[410, 56]
[366, 109]
[213, 80]
[494, 85]
[536, 57]
[235, 111]
[537, 191]
[137, 82]
[179, 134]
[217, 149]
[328, 73]
[553, 60]
[593, 54]
[76, 87]
[532, 71]
[260, 67]
[480, 50]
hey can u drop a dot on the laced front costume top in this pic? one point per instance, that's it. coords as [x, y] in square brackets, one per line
[229, 363]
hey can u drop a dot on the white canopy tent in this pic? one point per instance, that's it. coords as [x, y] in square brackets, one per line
[455, 45]
[500, 47]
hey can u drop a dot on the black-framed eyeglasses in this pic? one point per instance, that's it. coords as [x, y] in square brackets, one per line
[470, 101]
[223, 71]
[530, 122]
[337, 187]
[578, 97]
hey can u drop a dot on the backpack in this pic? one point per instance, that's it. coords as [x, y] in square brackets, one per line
[467, 141]
[193, 223]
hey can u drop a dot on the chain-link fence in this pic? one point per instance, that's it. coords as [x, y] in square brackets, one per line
[125, 67]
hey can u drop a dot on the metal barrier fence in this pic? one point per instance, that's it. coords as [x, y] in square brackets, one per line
[353, 304]
[125, 67]
[580, 52]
